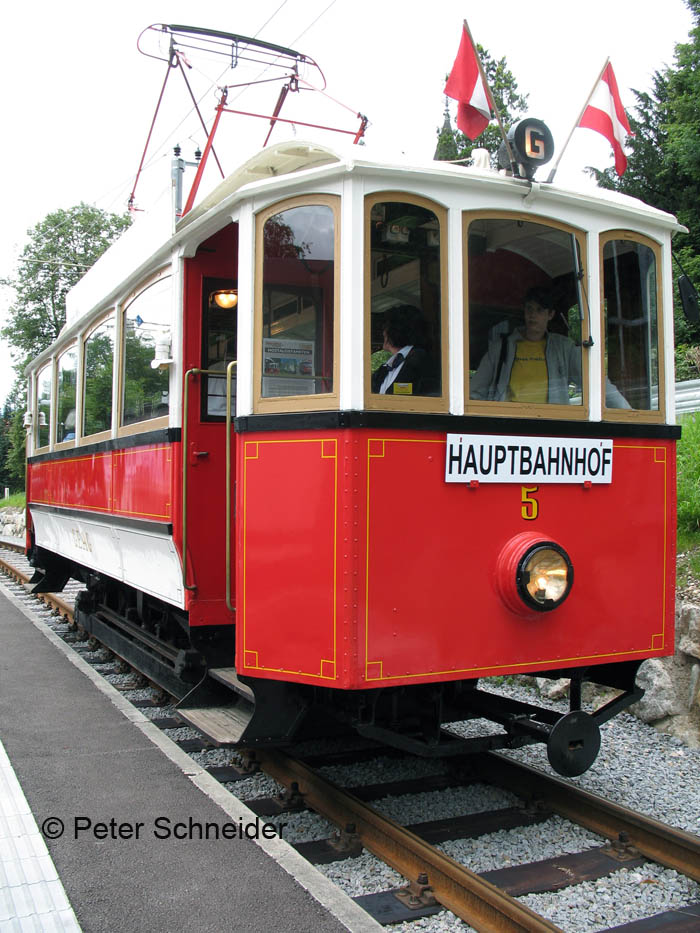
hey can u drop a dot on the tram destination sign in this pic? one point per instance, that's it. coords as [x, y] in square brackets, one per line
[513, 459]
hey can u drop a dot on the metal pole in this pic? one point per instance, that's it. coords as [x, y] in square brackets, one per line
[550, 177]
[492, 102]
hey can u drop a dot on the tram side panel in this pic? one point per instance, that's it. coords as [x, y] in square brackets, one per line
[359, 566]
[434, 610]
[293, 552]
[112, 511]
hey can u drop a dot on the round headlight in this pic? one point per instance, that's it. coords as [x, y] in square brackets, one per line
[544, 576]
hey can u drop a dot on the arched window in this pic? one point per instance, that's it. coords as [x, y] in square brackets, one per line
[42, 418]
[99, 366]
[526, 319]
[296, 304]
[630, 306]
[66, 382]
[147, 327]
[405, 281]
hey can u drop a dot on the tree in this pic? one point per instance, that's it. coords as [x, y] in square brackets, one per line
[663, 167]
[453, 145]
[61, 248]
[14, 461]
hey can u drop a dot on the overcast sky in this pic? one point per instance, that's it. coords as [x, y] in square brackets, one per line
[78, 97]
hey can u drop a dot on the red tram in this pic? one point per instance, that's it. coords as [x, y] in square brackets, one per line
[270, 534]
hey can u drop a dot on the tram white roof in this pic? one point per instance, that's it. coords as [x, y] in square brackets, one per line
[150, 239]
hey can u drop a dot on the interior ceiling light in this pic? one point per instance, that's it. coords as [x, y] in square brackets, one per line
[225, 298]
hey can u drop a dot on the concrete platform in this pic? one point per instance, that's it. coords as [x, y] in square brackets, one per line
[84, 756]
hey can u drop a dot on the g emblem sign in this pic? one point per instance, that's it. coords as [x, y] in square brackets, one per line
[535, 147]
[531, 144]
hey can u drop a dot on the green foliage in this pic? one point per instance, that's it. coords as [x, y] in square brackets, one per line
[688, 459]
[61, 248]
[14, 462]
[453, 144]
[663, 168]
[687, 362]
[688, 561]
[17, 500]
[6, 420]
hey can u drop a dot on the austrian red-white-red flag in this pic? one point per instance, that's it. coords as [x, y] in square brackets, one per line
[466, 86]
[605, 114]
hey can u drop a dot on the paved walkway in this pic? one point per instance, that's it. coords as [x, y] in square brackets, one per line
[85, 757]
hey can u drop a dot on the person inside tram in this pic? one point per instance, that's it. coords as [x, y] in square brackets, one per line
[533, 365]
[404, 371]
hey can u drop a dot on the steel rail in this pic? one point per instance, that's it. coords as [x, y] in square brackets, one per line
[465, 893]
[664, 844]
[55, 602]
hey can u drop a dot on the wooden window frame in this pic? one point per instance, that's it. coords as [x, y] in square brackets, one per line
[419, 403]
[292, 403]
[151, 424]
[51, 366]
[656, 416]
[64, 445]
[107, 434]
[518, 409]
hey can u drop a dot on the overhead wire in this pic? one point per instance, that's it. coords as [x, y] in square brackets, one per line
[243, 90]
[115, 191]
[114, 194]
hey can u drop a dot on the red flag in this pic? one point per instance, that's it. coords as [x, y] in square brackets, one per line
[466, 86]
[605, 114]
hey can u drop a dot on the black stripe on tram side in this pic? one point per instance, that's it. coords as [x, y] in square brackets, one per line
[147, 439]
[453, 424]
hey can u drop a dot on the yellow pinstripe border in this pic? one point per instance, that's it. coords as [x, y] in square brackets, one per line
[329, 451]
[376, 449]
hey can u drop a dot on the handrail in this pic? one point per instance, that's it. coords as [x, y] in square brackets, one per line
[229, 379]
[196, 371]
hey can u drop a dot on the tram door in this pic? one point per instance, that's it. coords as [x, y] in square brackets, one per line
[210, 324]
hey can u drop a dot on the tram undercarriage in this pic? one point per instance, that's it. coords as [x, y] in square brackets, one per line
[197, 665]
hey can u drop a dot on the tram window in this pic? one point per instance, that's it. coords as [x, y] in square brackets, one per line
[630, 307]
[146, 324]
[99, 365]
[65, 395]
[219, 317]
[405, 300]
[43, 406]
[525, 319]
[298, 300]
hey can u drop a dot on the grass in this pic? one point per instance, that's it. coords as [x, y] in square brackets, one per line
[688, 563]
[17, 500]
[688, 459]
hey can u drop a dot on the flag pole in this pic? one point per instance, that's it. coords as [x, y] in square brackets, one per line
[550, 177]
[492, 102]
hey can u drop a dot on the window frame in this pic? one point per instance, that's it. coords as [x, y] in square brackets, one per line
[107, 433]
[292, 403]
[150, 424]
[519, 409]
[71, 442]
[652, 416]
[212, 283]
[51, 367]
[420, 403]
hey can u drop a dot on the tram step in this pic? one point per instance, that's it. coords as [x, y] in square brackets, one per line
[229, 712]
[223, 725]
[229, 677]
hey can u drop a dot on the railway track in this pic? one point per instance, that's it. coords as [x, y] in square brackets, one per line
[489, 900]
